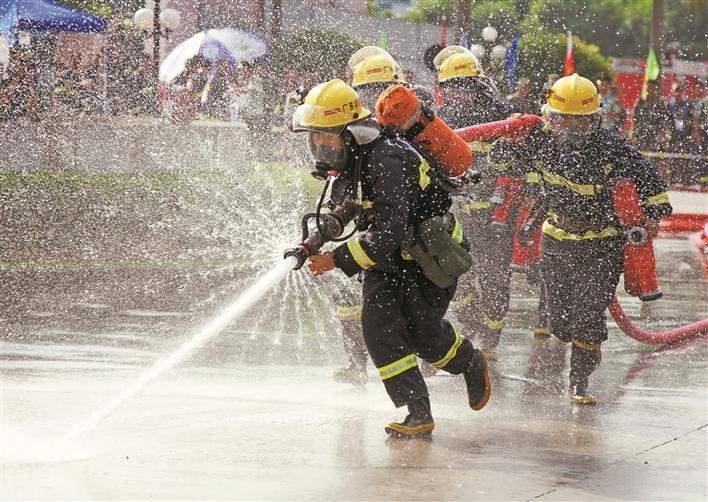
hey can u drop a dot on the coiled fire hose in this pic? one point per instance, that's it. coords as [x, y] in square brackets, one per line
[655, 338]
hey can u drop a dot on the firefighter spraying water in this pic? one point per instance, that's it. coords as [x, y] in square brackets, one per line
[410, 250]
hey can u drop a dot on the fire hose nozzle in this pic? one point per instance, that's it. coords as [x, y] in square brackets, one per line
[300, 252]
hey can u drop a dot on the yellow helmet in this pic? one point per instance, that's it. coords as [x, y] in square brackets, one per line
[329, 107]
[371, 65]
[455, 61]
[573, 95]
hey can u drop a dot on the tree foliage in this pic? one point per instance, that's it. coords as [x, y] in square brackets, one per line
[618, 27]
[542, 54]
[313, 51]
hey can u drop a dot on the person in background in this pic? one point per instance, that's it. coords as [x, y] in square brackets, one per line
[611, 113]
[18, 96]
[683, 170]
[522, 99]
[577, 163]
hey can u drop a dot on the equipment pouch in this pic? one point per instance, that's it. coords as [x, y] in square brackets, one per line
[442, 259]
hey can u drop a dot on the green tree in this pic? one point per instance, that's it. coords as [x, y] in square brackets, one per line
[542, 54]
[618, 27]
[322, 52]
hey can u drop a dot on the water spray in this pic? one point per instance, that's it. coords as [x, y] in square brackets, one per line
[234, 309]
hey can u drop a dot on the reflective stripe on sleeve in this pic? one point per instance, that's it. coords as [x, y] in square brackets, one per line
[457, 233]
[655, 200]
[423, 178]
[475, 205]
[450, 353]
[359, 255]
[479, 146]
[533, 177]
[397, 367]
[492, 324]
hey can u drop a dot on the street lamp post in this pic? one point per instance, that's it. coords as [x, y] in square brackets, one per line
[158, 23]
[489, 36]
[156, 34]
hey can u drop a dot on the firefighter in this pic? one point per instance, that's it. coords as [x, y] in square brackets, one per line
[468, 98]
[577, 163]
[373, 70]
[403, 302]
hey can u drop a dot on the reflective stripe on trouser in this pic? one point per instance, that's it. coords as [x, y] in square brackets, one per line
[580, 278]
[490, 279]
[402, 317]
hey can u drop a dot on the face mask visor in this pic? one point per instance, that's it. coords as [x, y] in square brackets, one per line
[572, 129]
[328, 152]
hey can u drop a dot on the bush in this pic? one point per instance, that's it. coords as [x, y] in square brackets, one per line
[312, 51]
[543, 53]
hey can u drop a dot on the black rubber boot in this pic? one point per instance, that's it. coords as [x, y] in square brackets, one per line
[418, 424]
[479, 385]
[584, 359]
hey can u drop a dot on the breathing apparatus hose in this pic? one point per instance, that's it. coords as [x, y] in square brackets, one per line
[655, 338]
[330, 226]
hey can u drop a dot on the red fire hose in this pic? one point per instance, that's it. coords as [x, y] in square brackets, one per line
[655, 338]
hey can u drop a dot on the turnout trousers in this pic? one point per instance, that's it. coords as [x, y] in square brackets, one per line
[580, 278]
[483, 298]
[402, 317]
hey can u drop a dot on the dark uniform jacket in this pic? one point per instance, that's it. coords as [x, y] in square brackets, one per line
[458, 117]
[399, 190]
[577, 186]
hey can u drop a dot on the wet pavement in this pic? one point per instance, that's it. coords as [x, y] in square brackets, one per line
[255, 415]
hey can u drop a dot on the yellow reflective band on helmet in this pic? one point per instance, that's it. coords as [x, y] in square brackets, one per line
[329, 105]
[479, 146]
[456, 62]
[475, 205]
[533, 177]
[587, 346]
[374, 69]
[423, 178]
[450, 353]
[349, 312]
[558, 180]
[457, 233]
[573, 95]
[398, 367]
[655, 200]
[493, 324]
[359, 255]
[559, 234]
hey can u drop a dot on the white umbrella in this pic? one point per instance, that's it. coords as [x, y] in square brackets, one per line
[231, 44]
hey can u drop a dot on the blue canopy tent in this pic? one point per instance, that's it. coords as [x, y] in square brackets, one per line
[37, 16]
[49, 15]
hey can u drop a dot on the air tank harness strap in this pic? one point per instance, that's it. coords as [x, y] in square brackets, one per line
[423, 116]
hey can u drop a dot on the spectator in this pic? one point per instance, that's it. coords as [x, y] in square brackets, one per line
[611, 113]
[652, 122]
[522, 98]
[681, 142]
[217, 101]
[18, 96]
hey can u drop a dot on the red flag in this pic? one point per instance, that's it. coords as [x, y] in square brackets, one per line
[569, 65]
[443, 42]
[443, 35]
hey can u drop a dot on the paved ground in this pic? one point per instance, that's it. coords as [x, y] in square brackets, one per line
[220, 427]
